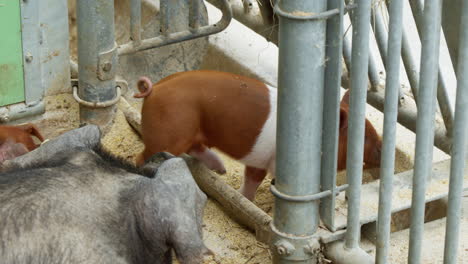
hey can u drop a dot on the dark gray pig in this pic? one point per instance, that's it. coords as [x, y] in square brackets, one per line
[71, 202]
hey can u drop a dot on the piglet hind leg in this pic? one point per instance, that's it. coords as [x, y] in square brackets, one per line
[208, 157]
[253, 177]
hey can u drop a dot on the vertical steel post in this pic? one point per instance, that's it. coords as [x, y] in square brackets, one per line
[97, 59]
[299, 131]
[359, 66]
[411, 65]
[380, 33]
[164, 17]
[331, 117]
[451, 17]
[445, 102]
[194, 14]
[374, 76]
[425, 123]
[459, 147]
[135, 21]
[390, 121]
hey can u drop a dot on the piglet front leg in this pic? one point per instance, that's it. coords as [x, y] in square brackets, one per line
[209, 158]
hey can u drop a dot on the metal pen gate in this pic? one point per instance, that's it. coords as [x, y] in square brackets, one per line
[293, 238]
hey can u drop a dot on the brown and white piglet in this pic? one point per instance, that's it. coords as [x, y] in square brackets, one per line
[17, 140]
[190, 112]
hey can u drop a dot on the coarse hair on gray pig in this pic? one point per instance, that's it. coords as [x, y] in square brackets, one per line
[78, 204]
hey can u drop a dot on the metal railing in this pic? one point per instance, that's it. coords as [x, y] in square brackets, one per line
[166, 38]
[429, 86]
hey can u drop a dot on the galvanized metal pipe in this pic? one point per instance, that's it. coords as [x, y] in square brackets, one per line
[451, 17]
[443, 97]
[164, 17]
[170, 38]
[194, 14]
[374, 76]
[135, 21]
[459, 149]
[299, 129]
[347, 44]
[387, 165]
[356, 123]
[411, 66]
[425, 123]
[378, 25]
[97, 59]
[380, 33]
[331, 117]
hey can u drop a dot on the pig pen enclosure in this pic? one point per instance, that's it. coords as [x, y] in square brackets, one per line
[84, 70]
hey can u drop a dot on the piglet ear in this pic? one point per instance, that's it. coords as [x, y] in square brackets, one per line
[343, 118]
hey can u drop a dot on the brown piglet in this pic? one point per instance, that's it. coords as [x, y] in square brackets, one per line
[190, 112]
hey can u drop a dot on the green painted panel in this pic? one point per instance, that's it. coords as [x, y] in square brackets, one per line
[11, 53]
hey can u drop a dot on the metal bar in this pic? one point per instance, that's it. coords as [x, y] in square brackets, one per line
[373, 73]
[460, 134]
[443, 97]
[97, 61]
[387, 165]
[425, 123]
[164, 17]
[194, 14]
[331, 108]
[374, 76]
[411, 66]
[135, 21]
[378, 26]
[380, 32]
[360, 60]
[451, 24]
[21, 110]
[300, 106]
[306, 198]
[180, 36]
[347, 42]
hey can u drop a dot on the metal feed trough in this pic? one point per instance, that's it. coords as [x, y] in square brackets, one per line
[313, 37]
